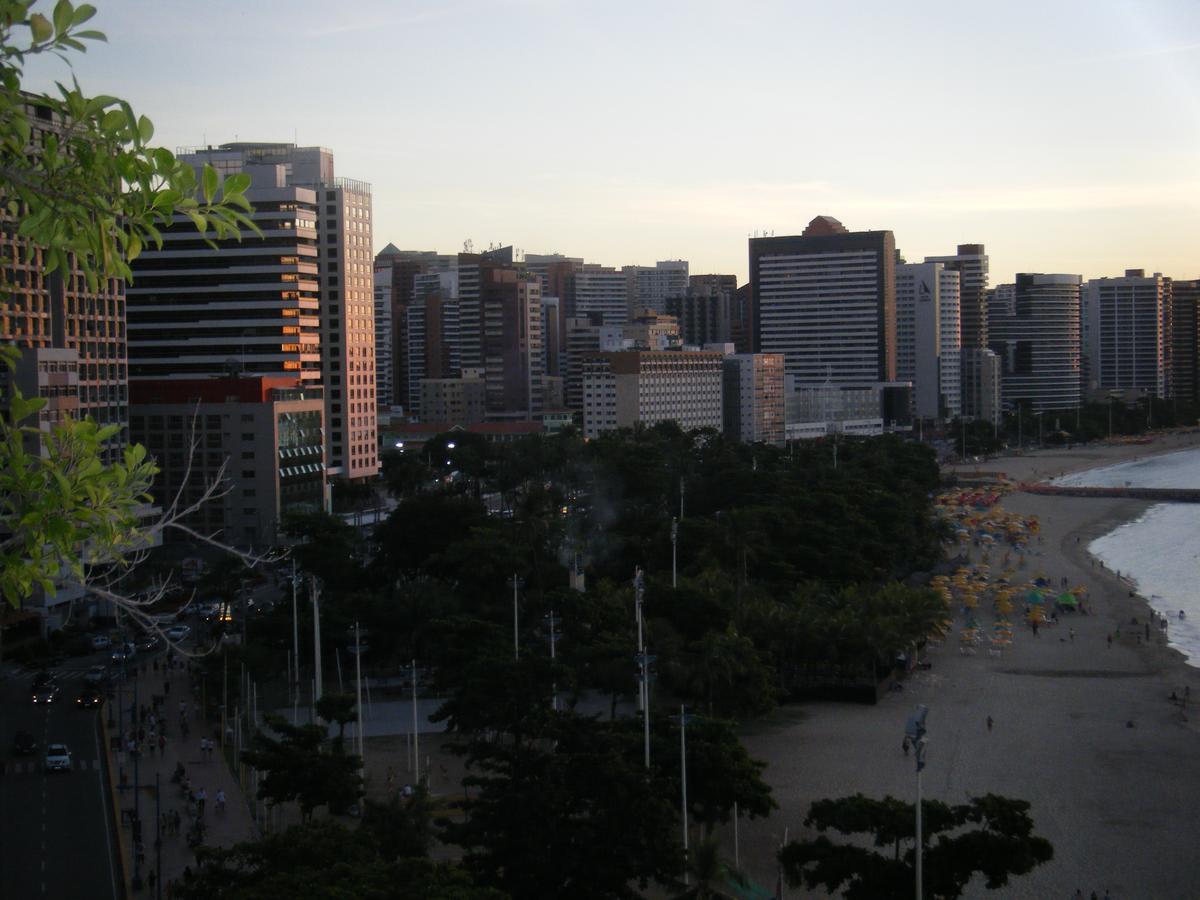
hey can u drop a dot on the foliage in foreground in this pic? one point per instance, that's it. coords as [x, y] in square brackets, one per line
[990, 835]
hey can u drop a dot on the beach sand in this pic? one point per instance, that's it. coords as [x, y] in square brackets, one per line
[1119, 804]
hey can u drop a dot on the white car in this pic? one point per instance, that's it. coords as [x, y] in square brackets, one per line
[101, 642]
[58, 758]
[96, 675]
[178, 633]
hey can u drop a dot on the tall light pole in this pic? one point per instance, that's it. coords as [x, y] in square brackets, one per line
[416, 738]
[553, 621]
[674, 553]
[914, 730]
[517, 584]
[684, 718]
[314, 589]
[639, 589]
[295, 644]
[362, 762]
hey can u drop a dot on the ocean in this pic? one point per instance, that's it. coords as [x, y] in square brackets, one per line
[1160, 551]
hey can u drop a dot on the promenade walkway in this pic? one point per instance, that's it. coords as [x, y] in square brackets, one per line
[148, 874]
[1161, 495]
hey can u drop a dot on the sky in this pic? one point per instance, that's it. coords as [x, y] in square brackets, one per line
[1065, 136]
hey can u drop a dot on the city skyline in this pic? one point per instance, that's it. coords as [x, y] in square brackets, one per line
[628, 134]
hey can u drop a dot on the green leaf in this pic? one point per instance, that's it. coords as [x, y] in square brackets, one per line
[83, 12]
[145, 129]
[63, 13]
[209, 181]
[236, 184]
[41, 28]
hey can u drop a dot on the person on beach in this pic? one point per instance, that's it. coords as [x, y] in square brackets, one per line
[1109, 638]
[1071, 632]
[989, 724]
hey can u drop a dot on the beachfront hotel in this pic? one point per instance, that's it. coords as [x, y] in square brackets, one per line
[1033, 326]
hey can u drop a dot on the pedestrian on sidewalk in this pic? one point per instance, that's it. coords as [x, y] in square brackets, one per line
[220, 800]
[162, 743]
[201, 799]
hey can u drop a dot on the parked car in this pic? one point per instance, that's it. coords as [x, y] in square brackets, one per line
[178, 632]
[24, 744]
[89, 697]
[58, 758]
[43, 678]
[47, 693]
[101, 642]
[96, 675]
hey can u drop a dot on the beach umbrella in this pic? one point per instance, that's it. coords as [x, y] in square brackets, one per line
[1034, 597]
[1066, 599]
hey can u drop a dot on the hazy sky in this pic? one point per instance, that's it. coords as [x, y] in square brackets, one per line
[1063, 135]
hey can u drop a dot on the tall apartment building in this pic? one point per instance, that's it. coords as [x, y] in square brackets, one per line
[648, 287]
[266, 432]
[473, 269]
[1126, 346]
[753, 397]
[72, 340]
[971, 262]
[705, 311]
[385, 392]
[596, 290]
[982, 377]
[826, 300]
[927, 336]
[553, 345]
[1185, 340]
[583, 340]
[627, 387]
[512, 343]
[1033, 326]
[346, 287]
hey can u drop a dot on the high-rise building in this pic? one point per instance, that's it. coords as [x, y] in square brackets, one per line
[1124, 322]
[826, 300]
[1185, 340]
[512, 343]
[982, 378]
[627, 387]
[1033, 326]
[648, 287]
[753, 397]
[596, 290]
[385, 394]
[72, 339]
[346, 287]
[927, 335]
[583, 339]
[706, 310]
[971, 262]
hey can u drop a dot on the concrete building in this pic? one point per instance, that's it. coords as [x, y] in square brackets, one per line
[599, 291]
[927, 337]
[818, 410]
[624, 388]
[648, 287]
[1033, 326]
[826, 300]
[385, 393]
[461, 399]
[1125, 343]
[705, 311]
[346, 287]
[512, 343]
[473, 269]
[981, 375]
[267, 434]
[971, 262]
[1185, 340]
[40, 313]
[753, 397]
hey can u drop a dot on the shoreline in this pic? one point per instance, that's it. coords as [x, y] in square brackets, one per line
[1085, 731]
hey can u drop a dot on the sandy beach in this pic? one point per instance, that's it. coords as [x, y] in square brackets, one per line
[1120, 804]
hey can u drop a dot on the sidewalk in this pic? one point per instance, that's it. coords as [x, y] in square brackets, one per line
[207, 771]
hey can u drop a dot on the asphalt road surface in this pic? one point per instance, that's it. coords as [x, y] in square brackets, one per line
[56, 839]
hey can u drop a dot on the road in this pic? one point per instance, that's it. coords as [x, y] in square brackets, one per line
[56, 837]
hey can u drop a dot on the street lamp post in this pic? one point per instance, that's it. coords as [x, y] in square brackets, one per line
[314, 590]
[684, 718]
[295, 646]
[639, 589]
[914, 730]
[517, 584]
[553, 620]
[674, 553]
